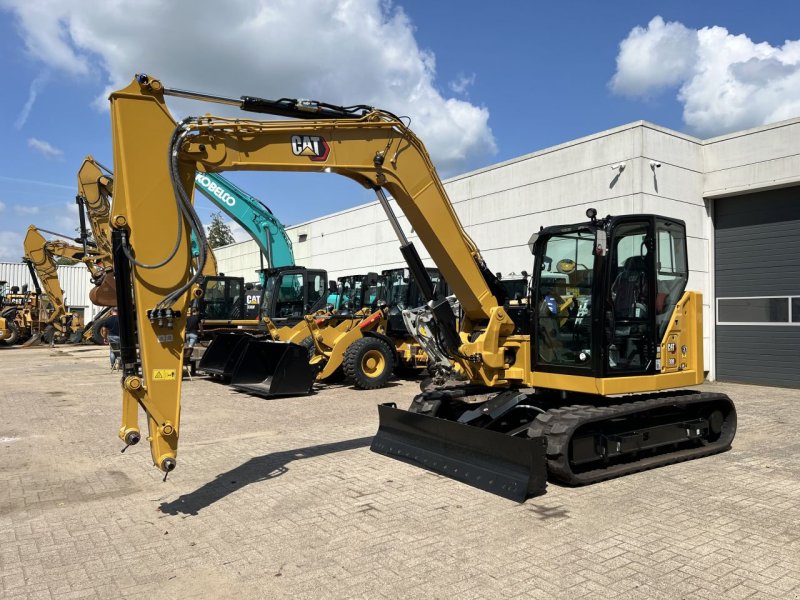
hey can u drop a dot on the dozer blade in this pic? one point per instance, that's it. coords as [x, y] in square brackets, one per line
[512, 467]
[270, 369]
[222, 354]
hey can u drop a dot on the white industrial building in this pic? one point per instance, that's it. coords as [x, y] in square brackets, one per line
[739, 195]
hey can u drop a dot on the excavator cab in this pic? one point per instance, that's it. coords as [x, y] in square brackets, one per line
[223, 298]
[603, 314]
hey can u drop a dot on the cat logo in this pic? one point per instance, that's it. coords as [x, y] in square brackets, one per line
[312, 146]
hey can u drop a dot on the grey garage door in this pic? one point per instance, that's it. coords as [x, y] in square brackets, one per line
[757, 268]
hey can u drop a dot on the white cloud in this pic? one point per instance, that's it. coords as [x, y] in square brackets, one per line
[10, 246]
[726, 82]
[36, 86]
[652, 58]
[44, 148]
[239, 234]
[26, 210]
[462, 83]
[337, 51]
[2, 206]
[68, 220]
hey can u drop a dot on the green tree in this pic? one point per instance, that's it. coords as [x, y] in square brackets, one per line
[219, 233]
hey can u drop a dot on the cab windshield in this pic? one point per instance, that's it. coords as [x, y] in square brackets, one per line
[563, 298]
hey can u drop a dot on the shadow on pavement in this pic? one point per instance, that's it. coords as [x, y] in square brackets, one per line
[260, 468]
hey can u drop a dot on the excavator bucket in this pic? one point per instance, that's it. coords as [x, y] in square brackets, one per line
[222, 354]
[512, 467]
[271, 369]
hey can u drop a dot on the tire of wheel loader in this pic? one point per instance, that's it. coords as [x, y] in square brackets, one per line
[12, 327]
[49, 335]
[308, 344]
[369, 363]
[96, 326]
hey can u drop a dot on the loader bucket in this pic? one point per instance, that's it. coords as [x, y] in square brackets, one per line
[512, 467]
[271, 369]
[222, 354]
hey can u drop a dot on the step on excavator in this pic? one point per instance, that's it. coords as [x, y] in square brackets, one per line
[594, 397]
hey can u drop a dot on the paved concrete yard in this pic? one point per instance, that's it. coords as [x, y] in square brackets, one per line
[283, 499]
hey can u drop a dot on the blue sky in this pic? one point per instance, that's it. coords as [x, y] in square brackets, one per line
[496, 80]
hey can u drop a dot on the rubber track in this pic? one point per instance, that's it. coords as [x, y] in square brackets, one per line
[558, 425]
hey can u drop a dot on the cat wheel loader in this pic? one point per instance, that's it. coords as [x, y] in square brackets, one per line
[285, 356]
[361, 338]
[290, 292]
[595, 397]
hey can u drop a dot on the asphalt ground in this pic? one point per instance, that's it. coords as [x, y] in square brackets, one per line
[283, 499]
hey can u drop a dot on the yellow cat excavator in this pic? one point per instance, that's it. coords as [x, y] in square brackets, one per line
[41, 254]
[579, 400]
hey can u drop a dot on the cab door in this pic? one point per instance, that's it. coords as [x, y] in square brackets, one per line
[629, 336]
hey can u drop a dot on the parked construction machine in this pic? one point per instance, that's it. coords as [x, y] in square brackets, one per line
[8, 332]
[313, 329]
[26, 312]
[359, 337]
[41, 254]
[578, 402]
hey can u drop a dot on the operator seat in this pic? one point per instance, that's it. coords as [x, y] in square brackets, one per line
[629, 289]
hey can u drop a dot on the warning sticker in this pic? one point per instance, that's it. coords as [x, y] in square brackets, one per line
[164, 374]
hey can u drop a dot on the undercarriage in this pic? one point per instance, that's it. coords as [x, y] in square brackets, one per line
[519, 438]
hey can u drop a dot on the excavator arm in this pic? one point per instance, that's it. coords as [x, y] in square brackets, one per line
[153, 220]
[42, 256]
[95, 189]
